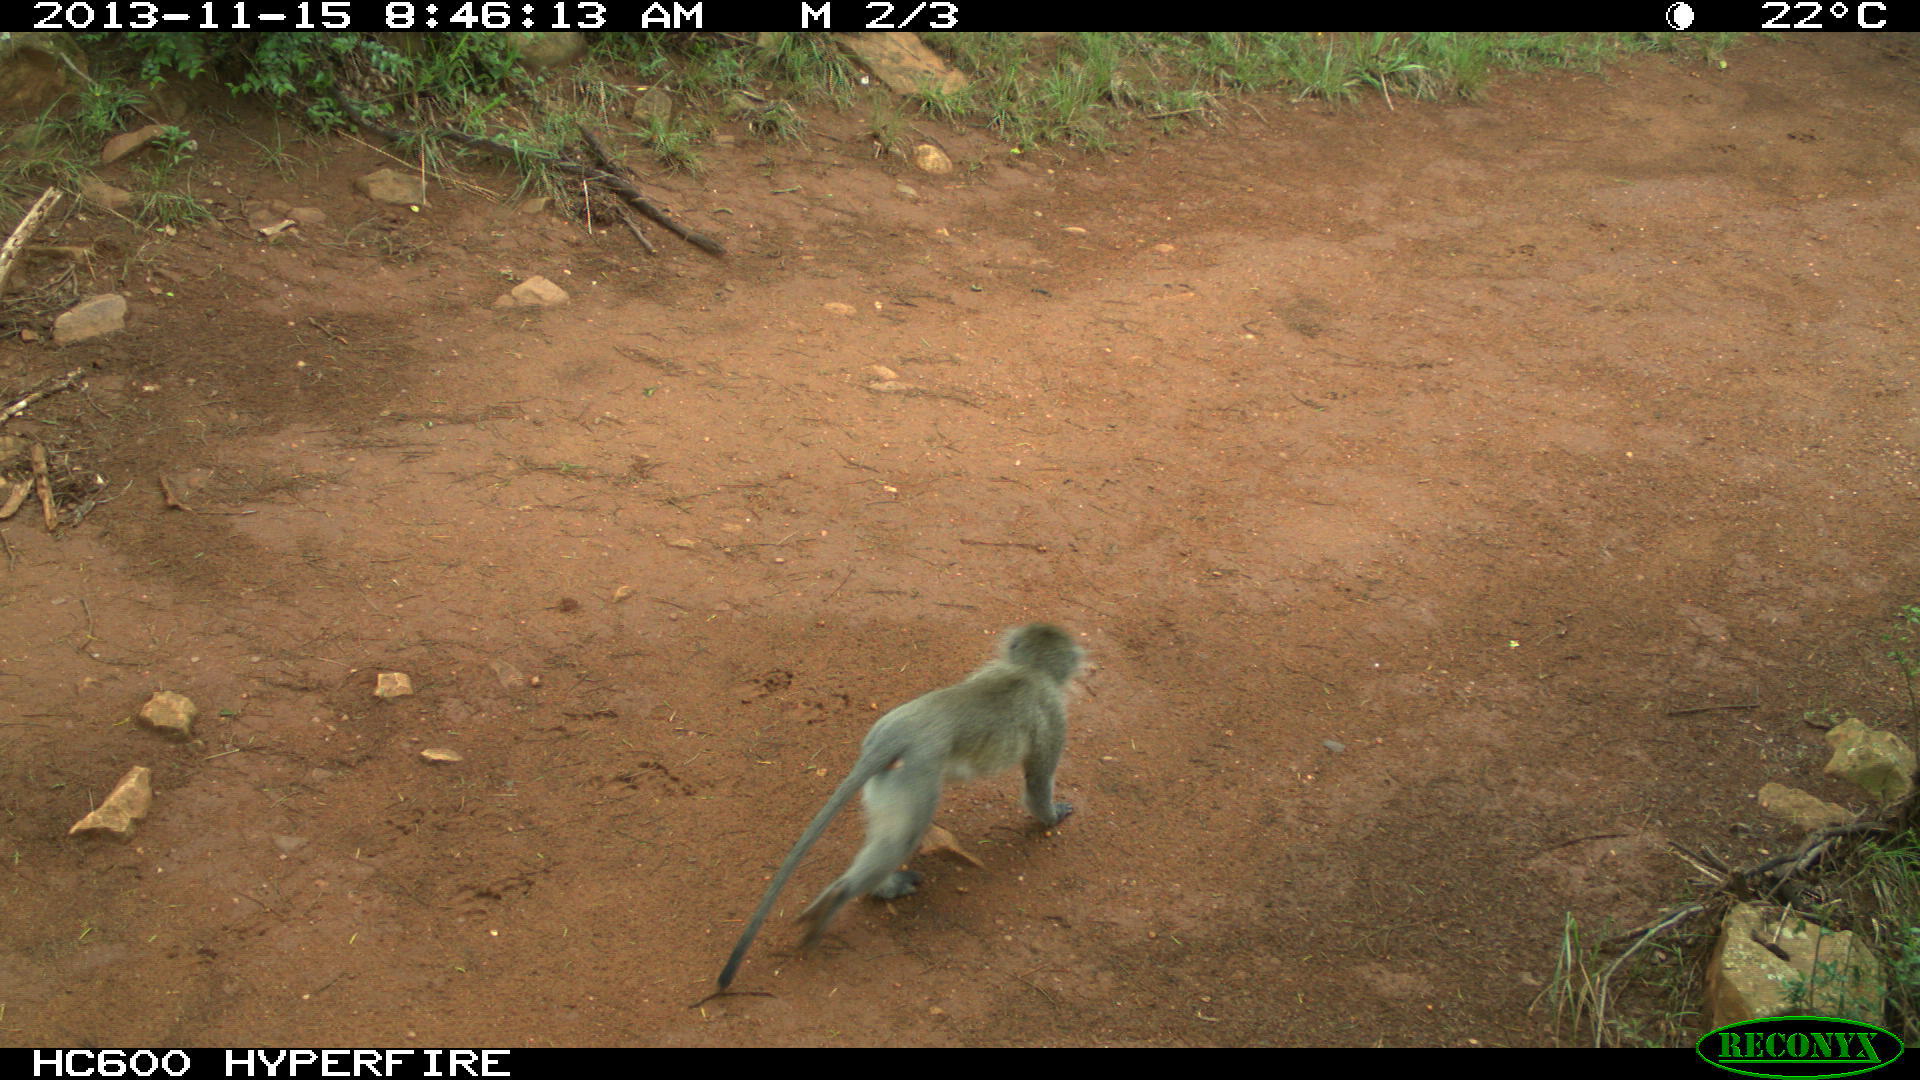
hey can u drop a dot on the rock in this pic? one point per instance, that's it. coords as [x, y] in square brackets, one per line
[906, 191]
[1878, 762]
[267, 220]
[392, 684]
[884, 372]
[902, 62]
[34, 72]
[104, 195]
[653, 103]
[127, 142]
[1803, 810]
[170, 714]
[622, 593]
[289, 844]
[534, 292]
[438, 756]
[91, 318]
[547, 49]
[837, 308]
[683, 543]
[388, 186]
[929, 158]
[308, 215]
[536, 205]
[127, 804]
[1825, 973]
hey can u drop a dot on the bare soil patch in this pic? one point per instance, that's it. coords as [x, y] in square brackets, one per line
[1402, 469]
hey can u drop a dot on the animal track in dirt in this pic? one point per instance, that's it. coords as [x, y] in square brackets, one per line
[649, 776]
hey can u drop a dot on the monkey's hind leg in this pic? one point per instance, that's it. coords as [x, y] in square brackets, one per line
[899, 805]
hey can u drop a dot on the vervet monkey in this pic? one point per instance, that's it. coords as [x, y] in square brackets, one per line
[1010, 712]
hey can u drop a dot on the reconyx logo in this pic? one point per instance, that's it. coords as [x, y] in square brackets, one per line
[1799, 1047]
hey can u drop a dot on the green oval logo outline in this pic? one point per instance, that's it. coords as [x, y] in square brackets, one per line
[1900, 1048]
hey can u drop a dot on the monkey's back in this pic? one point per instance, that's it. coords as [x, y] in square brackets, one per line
[986, 726]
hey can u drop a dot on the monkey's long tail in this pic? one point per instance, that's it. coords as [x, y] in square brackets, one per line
[871, 764]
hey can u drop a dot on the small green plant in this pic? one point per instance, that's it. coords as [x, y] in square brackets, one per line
[106, 106]
[1903, 980]
[170, 210]
[775, 122]
[175, 145]
[673, 146]
[947, 105]
[1835, 989]
[275, 155]
[887, 128]
[1904, 650]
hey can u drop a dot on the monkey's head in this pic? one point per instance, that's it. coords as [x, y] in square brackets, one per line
[1044, 648]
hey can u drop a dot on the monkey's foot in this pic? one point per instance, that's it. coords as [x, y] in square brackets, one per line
[898, 884]
[1061, 812]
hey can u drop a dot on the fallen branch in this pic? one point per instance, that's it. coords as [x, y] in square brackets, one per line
[1711, 708]
[42, 485]
[596, 175]
[51, 386]
[29, 225]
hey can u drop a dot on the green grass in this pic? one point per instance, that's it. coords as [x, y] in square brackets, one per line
[1879, 894]
[1090, 90]
[169, 210]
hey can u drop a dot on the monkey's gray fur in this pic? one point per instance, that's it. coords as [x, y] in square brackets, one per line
[1010, 712]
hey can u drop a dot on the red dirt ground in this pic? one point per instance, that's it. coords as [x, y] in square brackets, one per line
[1402, 469]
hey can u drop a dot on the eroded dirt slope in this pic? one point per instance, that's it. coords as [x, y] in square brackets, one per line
[1402, 470]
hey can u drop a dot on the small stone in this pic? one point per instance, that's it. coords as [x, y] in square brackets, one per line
[1878, 762]
[289, 844]
[622, 593]
[547, 48]
[684, 543]
[837, 308]
[170, 714]
[906, 191]
[534, 292]
[104, 195]
[438, 756]
[883, 371]
[1804, 810]
[127, 142]
[929, 158]
[396, 188]
[392, 684]
[536, 205]
[127, 804]
[308, 215]
[91, 318]
[653, 103]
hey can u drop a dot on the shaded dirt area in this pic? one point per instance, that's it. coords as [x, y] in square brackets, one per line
[1402, 470]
